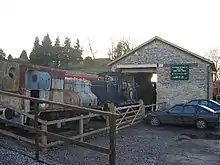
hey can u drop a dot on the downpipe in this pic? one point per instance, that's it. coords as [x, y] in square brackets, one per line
[208, 81]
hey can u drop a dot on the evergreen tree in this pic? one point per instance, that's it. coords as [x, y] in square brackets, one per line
[35, 55]
[78, 51]
[57, 52]
[23, 56]
[2, 54]
[66, 52]
[42, 54]
[10, 57]
[47, 50]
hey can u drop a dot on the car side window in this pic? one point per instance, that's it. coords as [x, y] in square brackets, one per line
[176, 109]
[189, 109]
[202, 111]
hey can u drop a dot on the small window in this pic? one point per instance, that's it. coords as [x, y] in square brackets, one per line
[189, 109]
[34, 78]
[11, 72]
[176, 109]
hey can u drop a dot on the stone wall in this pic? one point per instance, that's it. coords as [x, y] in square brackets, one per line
[171, 91]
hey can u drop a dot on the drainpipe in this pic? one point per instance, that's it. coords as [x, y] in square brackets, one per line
[208, 81]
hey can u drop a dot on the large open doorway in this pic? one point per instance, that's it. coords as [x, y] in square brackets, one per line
[146, 87]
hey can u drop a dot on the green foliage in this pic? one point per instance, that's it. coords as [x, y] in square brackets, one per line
[10, 57]
[78, 52]
[56, 55]
[24, 56]
[36, 56]
[88, 61]
[2, 54]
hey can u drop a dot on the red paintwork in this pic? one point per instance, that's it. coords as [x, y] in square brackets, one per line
[83, 77]
[55, 73]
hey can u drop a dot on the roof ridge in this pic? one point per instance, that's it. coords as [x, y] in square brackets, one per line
[165, 41]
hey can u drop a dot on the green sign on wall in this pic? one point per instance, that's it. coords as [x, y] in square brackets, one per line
[179, 72]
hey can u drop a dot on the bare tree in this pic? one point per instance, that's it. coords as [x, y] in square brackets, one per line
[214, 55]
[91, 50]
[122, 47]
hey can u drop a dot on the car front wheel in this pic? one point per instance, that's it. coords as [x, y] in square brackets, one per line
[154, 121]
[201, 124]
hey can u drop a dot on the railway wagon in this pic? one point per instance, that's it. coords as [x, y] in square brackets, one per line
[39, 82]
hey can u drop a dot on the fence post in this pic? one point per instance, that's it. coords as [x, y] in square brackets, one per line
[37, 135]
[44, 137]
[81, 128]
[142, 106]
[112, 109]
[152, 107]
[112, 122]
[107, 117]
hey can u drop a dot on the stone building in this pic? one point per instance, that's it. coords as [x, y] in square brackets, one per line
[181, 75]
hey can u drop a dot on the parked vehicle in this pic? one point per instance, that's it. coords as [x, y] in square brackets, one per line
[198, 115]
[208, 103]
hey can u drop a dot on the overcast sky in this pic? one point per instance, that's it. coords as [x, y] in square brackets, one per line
[192, 24]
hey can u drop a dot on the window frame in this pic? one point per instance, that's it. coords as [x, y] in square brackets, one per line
[200, 108]
[195, 109]
[169, 110]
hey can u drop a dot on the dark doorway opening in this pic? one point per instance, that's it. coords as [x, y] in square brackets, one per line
[36, 94]
[146, 89]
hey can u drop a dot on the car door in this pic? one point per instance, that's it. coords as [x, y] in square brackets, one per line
[189, 114]
[173, 115]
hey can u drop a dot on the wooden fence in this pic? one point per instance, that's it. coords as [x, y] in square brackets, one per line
[117, 119]
[40, 127]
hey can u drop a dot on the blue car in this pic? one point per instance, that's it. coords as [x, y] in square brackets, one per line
[198, 115]
[208, 103]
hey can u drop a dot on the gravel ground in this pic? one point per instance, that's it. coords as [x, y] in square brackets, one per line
[11, 157]
[139, 145]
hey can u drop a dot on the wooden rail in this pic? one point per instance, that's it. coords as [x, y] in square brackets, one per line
[43, 131]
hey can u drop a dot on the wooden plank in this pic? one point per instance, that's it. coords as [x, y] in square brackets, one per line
[63, 138]
[126, 107]
[112, 139]
[136, 115]
[44, 137]
[128, 122]
[128, 117]
[70, 119]
[81, 128]
[125, 126]
[37, 147]
[52, 144]
[123, 116]
[129, 112]
[7, 133]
